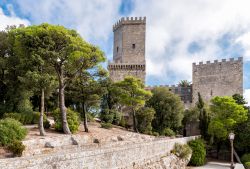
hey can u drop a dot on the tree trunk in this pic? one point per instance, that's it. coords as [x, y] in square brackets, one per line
[218, 149]
[134, 122]
[84, 117]
[40, 124]
[62, 106]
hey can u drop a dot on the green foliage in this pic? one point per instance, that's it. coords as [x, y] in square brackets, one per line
[182, 151]
[225, 115]
[144, 118]
[198, 157]
[90, 117]
[106, 125]
[242, 136]
[184, 83]
[133, 95]
[17, 148]
[25, 106]
[168, 107]
[191, 115]
[107, 116]
[239, 99]
[11, 130]
[204, 118]
[168, 132]
[155, 134]
[123, 122]
[26, 118]
[245, 158]
[117, 117]
[46, 124]
[247, 165]
[72, 118]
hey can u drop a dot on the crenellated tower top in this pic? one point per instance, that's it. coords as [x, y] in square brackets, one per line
[129, 20]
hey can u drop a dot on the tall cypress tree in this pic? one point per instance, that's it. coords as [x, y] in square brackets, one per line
[203, 117]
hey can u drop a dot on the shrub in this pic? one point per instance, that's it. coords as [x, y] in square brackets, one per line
[107, 116]
[106, 125]
[72, 118]
[26, 118]
[123, 122]
[245, 158]
[155, 134]
[168, 132]
[90, 117]
[144, 118]
[16, 147]
[182, 151]
[117, 117]
[198, 157]
[11, 130]
[16, 116]
[247, 165]
[46, 124]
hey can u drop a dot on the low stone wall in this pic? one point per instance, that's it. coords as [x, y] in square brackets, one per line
[138, 155]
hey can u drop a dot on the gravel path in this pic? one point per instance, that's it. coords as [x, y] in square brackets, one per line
[218, 165]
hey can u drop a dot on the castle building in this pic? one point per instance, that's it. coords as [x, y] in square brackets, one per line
[185, 93]
[223, 78]
[128, 49]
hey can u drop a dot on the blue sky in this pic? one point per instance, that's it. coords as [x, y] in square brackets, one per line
[178, 33]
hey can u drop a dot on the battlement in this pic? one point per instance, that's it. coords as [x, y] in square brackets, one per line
[124, 66]
[128, 21]
[168, 86]
[231, 60]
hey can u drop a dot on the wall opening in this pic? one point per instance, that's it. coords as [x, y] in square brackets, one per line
[133, 46]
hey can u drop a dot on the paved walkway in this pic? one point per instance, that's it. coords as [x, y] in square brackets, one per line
[218, 165]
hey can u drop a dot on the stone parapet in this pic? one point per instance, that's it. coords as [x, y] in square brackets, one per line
[124, 66]
[129, 21]
[111, 157]
[209, 63]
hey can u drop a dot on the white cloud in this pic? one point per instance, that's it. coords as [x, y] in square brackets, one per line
[247, 96]
[173, 24]
[10, 20]
[245, 41]
[92, 19]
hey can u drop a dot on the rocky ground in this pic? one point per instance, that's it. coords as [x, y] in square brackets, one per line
[55, 141]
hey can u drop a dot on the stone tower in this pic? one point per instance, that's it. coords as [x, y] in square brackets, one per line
[128, 49]
[223, 78]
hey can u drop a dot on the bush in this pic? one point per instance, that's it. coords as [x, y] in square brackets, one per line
[144, 118]
[123, 122]
[245, 158]
[46, 124]
[168, 132]
[72, 118]
[90, 117]
[182, 151]
[11, 130]
[198, 157]
[107, 116]
[26, 118]
[155, 134]
[247, 165]
[106, 125]
[16, 147]
[117, 117]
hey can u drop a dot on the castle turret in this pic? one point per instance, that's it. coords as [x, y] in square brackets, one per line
[128, 49]
[220, 78]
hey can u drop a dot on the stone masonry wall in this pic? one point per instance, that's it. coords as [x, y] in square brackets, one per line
[134, 156]
[128, 49]
[119, 71]
[223, 78]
